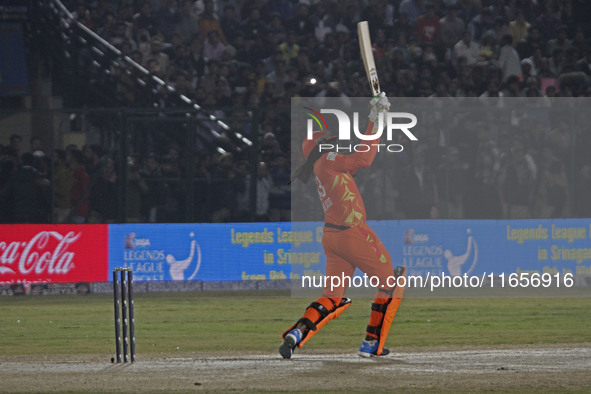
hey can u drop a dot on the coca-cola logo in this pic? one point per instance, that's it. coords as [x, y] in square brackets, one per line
[37, 255]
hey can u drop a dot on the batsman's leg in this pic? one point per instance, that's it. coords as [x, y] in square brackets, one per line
[326, 308]
[383, 310]
[317, 315]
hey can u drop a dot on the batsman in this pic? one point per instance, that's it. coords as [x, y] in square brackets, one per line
[348, 241]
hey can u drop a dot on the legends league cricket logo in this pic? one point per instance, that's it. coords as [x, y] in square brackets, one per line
[455, 263]
[177, 267]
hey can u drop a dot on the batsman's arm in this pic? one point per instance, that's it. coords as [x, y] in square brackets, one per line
[363, 159]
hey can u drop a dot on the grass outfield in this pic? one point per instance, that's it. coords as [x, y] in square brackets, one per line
[253, 321]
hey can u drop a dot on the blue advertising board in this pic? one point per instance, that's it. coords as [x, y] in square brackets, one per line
[475, 247]
[267, 251]
[208, 252]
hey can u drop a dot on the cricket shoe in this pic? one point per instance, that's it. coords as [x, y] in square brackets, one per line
[370, 349]
[290, 342]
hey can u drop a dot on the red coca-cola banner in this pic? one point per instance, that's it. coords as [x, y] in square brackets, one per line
[32, 253]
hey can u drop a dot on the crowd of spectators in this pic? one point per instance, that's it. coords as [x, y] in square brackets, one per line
[263, 52]
[229, 55]
[87, 188]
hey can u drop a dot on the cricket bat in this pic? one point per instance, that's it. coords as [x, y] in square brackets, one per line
[367, 56]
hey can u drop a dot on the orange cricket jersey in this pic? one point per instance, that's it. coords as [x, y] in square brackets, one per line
[340, 197]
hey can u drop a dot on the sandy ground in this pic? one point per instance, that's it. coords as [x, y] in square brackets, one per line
[511, 368]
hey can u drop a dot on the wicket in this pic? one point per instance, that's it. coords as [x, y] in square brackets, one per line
[121, 323]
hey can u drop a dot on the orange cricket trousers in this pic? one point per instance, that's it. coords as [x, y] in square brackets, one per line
[357, 247]
[346, 250]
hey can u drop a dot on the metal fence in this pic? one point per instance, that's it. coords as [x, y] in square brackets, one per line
[173, 166]
[142, 166]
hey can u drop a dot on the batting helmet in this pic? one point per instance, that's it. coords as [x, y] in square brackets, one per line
[317, 138]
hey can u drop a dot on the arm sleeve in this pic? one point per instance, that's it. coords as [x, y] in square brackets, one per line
[358, 160]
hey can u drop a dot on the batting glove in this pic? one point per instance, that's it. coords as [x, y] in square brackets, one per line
[378, 104]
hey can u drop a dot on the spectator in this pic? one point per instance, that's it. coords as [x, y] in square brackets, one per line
[243, 206]
[378, 14]
[556, 63]
[92, 157]
[560, 42]
[64, 182]
[535, 60]
[270, 144]
[213, 48]
[28, 194]
[419, 196]
[120, 37]
[548, 24]
[36, 144]
[516, 185]
[79, 198]
[482, 195]
[289, 49]
[501, 28]
[145, 19]
[188, 24]
[277, 78]
[526, 46]
[452, 28]
[156, 55]
[550, 91]
[508, 59]
[527, 6]
[469, 9]
[466, 48]
[230, 24]
[253, 26]
[136, 191]
[301, 23]
[452, 181]
[280, 196]
[488, 48]
[480, 24]
[151, 174]
[349, 17]
[16, 144]
[511, 87]
[41, 163]
[226, 185]
[103, 197]
[276, 31]
[412, 9]
[324, 24]
[551, 187]
[428, 26]
[519, 28]
[171, 191]
[208, 21]
[500, 10]
[202, 180]
[584, 64]
[264, 184]
[169, 18]
[82, 15]
[282, 8]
